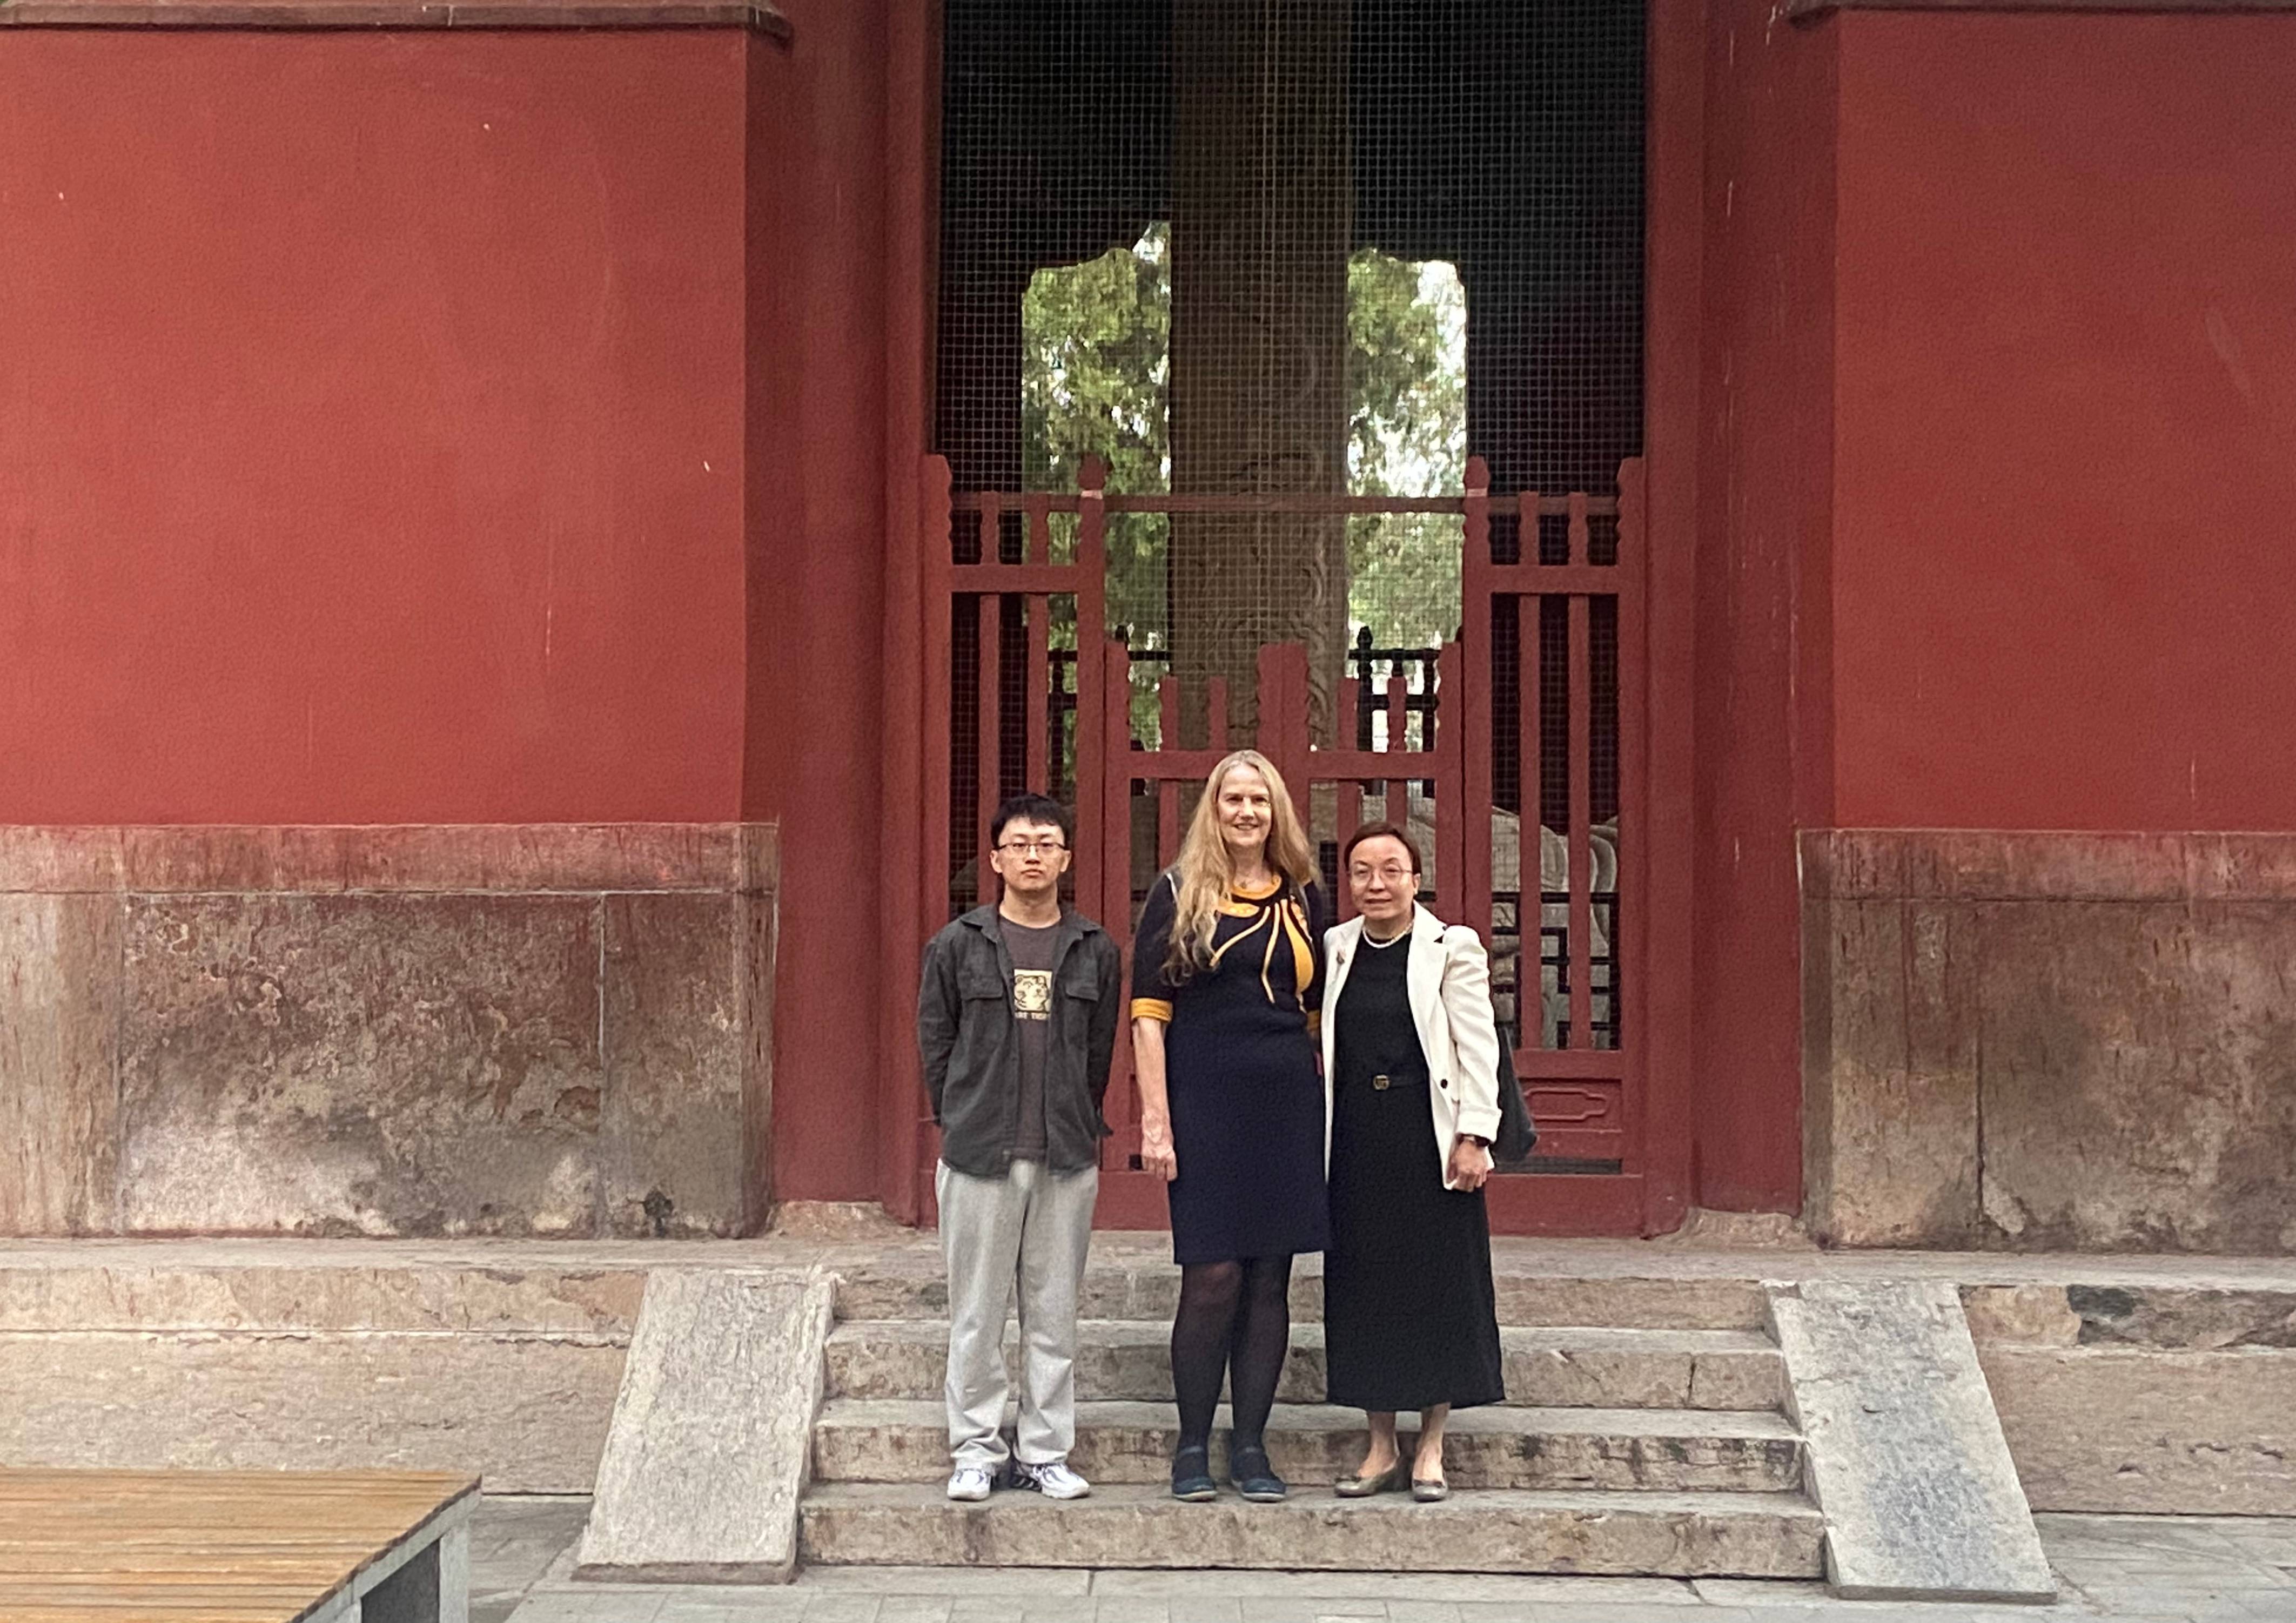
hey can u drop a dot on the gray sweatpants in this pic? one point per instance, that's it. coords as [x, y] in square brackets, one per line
[1024, 1233]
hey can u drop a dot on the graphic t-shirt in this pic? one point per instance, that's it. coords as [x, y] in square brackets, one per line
[1032, 1011]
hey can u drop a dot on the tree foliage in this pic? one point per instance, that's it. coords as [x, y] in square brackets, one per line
[1407, 391]
[1096, 359]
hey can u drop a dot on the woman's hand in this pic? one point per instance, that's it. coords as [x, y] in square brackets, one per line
[1470, 1164]
[1156, 1153]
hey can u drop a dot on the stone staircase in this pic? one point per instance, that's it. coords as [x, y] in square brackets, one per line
[1643, 1434]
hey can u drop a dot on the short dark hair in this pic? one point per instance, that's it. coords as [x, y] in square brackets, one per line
[1033, 808]
[1381, 830]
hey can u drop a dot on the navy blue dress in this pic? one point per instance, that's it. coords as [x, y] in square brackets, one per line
[1240, 1054]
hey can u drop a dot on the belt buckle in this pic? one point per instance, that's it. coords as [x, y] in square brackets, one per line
[1380, 1083]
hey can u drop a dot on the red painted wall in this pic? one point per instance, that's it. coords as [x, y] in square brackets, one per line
[1998, 445]
[816, 603]
[371, 427]
[1765, 473]
[2064, 587]
[480, 428]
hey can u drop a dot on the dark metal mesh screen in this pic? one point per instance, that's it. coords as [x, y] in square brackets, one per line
[1301, 248]
[1257, 210]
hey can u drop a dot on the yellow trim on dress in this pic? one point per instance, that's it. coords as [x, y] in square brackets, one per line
[1285, 918]
[1303, 951]
[1240, 936]
[1153, 1008]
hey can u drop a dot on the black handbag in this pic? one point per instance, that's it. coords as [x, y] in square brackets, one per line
[1518, 1134]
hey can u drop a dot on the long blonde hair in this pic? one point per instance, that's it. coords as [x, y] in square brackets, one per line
[1204, 873]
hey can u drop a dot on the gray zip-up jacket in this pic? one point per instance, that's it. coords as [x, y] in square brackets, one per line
[973, 1054]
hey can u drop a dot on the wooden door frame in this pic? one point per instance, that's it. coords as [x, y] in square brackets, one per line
[1673, 291]
[1675, 69]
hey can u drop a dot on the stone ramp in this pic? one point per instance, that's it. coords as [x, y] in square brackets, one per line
[708, 1453]
[1906, 1453]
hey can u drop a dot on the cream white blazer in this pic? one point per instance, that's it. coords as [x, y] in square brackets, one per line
[1450, 985]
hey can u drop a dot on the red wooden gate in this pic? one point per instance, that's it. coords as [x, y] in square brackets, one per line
[1024, 689]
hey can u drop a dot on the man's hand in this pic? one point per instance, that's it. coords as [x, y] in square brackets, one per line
[1156, 1153]
[1470, 1164]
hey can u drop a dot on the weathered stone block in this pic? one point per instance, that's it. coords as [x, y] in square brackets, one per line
[58, 1054]
[2139, 1087]
[672, 1119]
[2029, 1314]
[50, 861]
[550, 1030]
[760, 926]
[1891, 1063]
[529, 1412]
[2149, 1431]
[410, 1065]
[2185, 1316]
[2050, 1041]
[1906, 1457]
[289, 1290]
[712, 1430]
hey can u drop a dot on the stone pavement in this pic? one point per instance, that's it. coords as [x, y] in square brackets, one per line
[2116, 1570]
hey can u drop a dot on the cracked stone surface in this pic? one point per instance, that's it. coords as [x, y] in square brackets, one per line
[1906, 1456]
[712, 1429]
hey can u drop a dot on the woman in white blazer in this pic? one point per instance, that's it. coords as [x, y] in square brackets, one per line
[1411, 1057]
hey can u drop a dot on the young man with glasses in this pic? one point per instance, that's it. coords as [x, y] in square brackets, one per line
[1016, 1020]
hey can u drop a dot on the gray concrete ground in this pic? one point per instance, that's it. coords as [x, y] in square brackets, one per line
[2125, 1569]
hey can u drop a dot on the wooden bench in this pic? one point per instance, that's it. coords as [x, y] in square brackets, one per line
[234, 1546]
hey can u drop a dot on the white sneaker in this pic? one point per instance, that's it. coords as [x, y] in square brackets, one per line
[1054, 1480]
[970, 1483]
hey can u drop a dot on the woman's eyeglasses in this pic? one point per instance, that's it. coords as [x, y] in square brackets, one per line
[1395, 873]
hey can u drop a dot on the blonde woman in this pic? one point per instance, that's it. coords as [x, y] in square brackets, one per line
[1227, 981]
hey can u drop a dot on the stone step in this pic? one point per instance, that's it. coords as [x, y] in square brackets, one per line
[1556, 1367]
[1664, 1534]
[1676, 1450]
[1150, 1290]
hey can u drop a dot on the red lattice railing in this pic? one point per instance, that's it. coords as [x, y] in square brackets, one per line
[1537, 630]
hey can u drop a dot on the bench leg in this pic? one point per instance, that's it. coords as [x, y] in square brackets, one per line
[432, 1587]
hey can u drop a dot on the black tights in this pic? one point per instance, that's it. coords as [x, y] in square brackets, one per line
[1235, 1320]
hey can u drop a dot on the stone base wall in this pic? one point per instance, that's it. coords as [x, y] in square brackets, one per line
[310, 1357]
[437, 1031]
[2144, 1400]
[2038, 1041]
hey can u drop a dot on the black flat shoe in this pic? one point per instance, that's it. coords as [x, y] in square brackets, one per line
[1192, 1476]
[1254, 1477]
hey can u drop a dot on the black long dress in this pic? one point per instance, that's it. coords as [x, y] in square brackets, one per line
[1410, 1318]
[1239, 1073]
